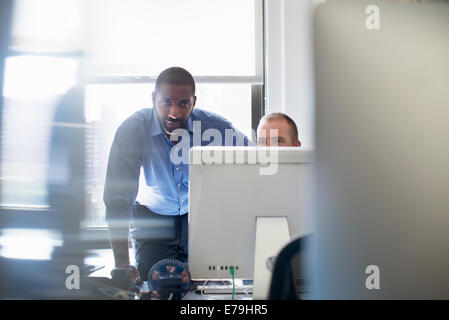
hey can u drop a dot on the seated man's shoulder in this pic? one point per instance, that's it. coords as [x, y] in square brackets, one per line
[206, 116]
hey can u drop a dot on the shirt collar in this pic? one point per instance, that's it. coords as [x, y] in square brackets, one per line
[189, 126]
[155, 126]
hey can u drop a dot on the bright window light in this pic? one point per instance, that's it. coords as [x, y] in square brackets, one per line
[141, 37]
[33, 87]
[32, 77]
[32, 244]
[47, 25]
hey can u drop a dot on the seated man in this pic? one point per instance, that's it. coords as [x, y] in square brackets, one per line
[154, 205]
[277, 129]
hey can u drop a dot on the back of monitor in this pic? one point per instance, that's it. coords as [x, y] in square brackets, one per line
[225, 201]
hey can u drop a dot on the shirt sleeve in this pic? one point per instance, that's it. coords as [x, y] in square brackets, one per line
[236, 138]
[123, 170]
[247, 141]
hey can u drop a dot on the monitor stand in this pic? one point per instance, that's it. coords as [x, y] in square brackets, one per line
[271, 236]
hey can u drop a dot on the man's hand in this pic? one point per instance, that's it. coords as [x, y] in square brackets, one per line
[126, 277]
[128, 271]
[133, 273]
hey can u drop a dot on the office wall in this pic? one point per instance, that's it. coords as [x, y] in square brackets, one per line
[289, 63]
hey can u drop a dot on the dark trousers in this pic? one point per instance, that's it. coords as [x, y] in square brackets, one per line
[156, 237]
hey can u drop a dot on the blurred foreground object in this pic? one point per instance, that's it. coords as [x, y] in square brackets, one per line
[382, 104]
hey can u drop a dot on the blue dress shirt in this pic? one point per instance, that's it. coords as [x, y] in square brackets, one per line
[141, 145]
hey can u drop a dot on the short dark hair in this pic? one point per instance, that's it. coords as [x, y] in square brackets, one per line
[290, 121]
[175, 75]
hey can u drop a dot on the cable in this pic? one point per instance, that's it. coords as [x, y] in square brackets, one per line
[220, 278]
[202, 289]
[202, 292]
[231, 270]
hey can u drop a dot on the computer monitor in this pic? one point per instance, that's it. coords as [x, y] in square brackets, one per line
[241, 190]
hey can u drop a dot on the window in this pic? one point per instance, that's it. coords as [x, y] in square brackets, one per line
[207, 37]
[42, 66]
[116, 49]
[219, 42]
[33, 87]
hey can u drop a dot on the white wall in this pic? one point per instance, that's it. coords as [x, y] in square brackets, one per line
[289, 63]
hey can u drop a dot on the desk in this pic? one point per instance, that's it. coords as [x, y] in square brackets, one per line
[105, 257]
[193, 295]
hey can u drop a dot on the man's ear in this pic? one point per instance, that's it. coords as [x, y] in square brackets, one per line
[298, 143]
[194, 102]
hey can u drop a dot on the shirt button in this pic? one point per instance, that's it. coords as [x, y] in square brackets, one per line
[177, 169]
[179, 185]
[182, 201]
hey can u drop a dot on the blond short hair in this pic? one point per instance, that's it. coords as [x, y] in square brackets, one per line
[280, 115]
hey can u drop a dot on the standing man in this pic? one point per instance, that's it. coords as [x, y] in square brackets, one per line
[155, 211]
[277, 129]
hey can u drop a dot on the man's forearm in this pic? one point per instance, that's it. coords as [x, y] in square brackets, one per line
[119, 242]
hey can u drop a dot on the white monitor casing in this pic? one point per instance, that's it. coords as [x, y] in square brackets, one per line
[226, 199]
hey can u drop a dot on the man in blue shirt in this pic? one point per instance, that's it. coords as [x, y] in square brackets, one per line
[156, 141]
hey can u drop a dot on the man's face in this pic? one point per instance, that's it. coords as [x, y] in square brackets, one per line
[283, 138]
[173, 104]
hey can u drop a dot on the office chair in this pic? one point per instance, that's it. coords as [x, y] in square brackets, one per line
[287, 282]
